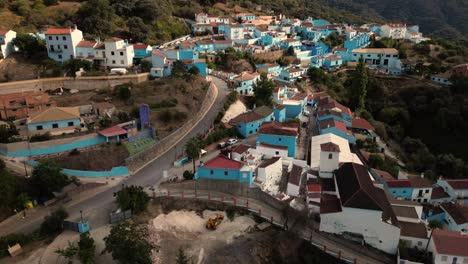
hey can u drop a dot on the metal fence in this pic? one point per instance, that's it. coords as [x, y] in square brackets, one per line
[119, 216]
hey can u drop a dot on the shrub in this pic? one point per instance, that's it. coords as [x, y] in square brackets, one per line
[53, 223]
[40, 137]
[188, 175]
[231, 212]
[74, 152]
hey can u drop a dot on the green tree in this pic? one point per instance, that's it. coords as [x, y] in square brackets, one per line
[86, 247]
[127, 244]
[105, 122]
[434, 224]
[193, 148]
[123, 116]
[69, 252]
[7, 132]
[123, 92]
[178, 69]
[50, 2]
[194, 71]
[53, 223]
[28, 45]
[8, 190]
[74, 65]
[359, 85]
[290, 51]
[145, 66]
[263, 91]
[317, 75]
[95, 17]
[376, 161]
[48, 178]
[137, 29]
[133, 198]
[181, 257]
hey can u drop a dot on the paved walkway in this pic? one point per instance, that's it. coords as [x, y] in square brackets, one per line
[303, 227]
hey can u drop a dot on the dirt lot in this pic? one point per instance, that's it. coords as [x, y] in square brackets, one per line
[98, 159]
[18, 68]
[182, 98]
[175, 224]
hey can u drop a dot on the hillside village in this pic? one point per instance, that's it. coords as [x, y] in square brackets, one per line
[303, 148]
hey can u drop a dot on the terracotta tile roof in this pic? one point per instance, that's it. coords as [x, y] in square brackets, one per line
[410, 229]
[357, 191]
[329, 112]
[405, 211]
[313, 187]
[299, 97]
[100, 46]
[245, 118]
[438, 193]
[458, 184]
[361, 123]
[450, 242]
[247, 76]
[275, 128]
[113, 39]
[329, 204]
[263, 110]
[399, 184]
[295, 175]
[55, 114]
[86, 44]
[330, 147]
[396, 25]
[221, 162]
[273, 146]
[330, 122]
[419, 182]
[59, 31]
[333, 58]
[458, 212]
[140, 46]
[269, 162]
[159, 54]
[113, 131]
[384, 175]
[294, 69]
[280, 107]
[289, 40]
[377, 51]
[3, 32]
[241, 148]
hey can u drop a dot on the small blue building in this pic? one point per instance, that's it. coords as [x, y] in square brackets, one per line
[249, 123]
[279, 134]
[360, 40]
[399, 189]
[269, 68]
[331, 114]
[55, 120]
[141, 51]
[332, 61]
[222, 168]
[336, 127]
[279, 113]
[245, 82]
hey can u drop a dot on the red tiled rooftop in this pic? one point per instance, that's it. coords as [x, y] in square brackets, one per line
[329, 204]
[140, 46]
[384, 175]
[450, 242]
[330, 147]
[273, 146]
[361, 123]
[221, 162]
[438, 193]
[330, 122]
[113, 131]
[159, 54]
[3, 32]
[458, 184]
[399, 184]
[458, 212]
[241, 148]
[86, 44]
[59, 31]
[313, 187]
[275, 128]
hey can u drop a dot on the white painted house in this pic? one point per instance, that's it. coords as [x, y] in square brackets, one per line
[344, 155]
[119, 54]
[393, 31]
[386, 59]
[360, 210]
[234, 32]
[295, 180]
[448, 247]
[61, 43]
[6, 45]
[270, 151]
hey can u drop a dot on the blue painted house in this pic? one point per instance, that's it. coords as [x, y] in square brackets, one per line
[55, 120]
[269, 68]
[291, 74]
[328, 103]
[141, 51]
[331, 114]
[222, 168]
[332, 61]
[433, 212]
[336, 127]
[357, 41]
[399, 189]
[279, 113]
[249, 123]
[279, 134]
[290, 42]
[316, 48]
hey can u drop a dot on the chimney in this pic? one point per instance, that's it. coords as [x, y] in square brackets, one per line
[75, 27]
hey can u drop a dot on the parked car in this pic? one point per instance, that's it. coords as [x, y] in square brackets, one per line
[232, 141]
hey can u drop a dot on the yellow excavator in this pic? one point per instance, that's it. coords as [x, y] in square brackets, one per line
[214, 221]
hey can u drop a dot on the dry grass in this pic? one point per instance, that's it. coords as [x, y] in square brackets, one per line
[8, 19]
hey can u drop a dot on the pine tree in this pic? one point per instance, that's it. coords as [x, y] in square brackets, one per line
[362, 79]
[181, 257]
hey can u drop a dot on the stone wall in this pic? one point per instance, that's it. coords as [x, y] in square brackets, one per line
[79, 83]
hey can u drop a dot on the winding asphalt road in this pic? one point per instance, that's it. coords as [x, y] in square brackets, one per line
[97, 208]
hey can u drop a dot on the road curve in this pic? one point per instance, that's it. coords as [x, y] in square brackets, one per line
[97, 208]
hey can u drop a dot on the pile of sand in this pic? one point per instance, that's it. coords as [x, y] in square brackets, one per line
[185, 221]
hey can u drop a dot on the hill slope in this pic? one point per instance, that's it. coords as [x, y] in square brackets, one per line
[444, 18]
